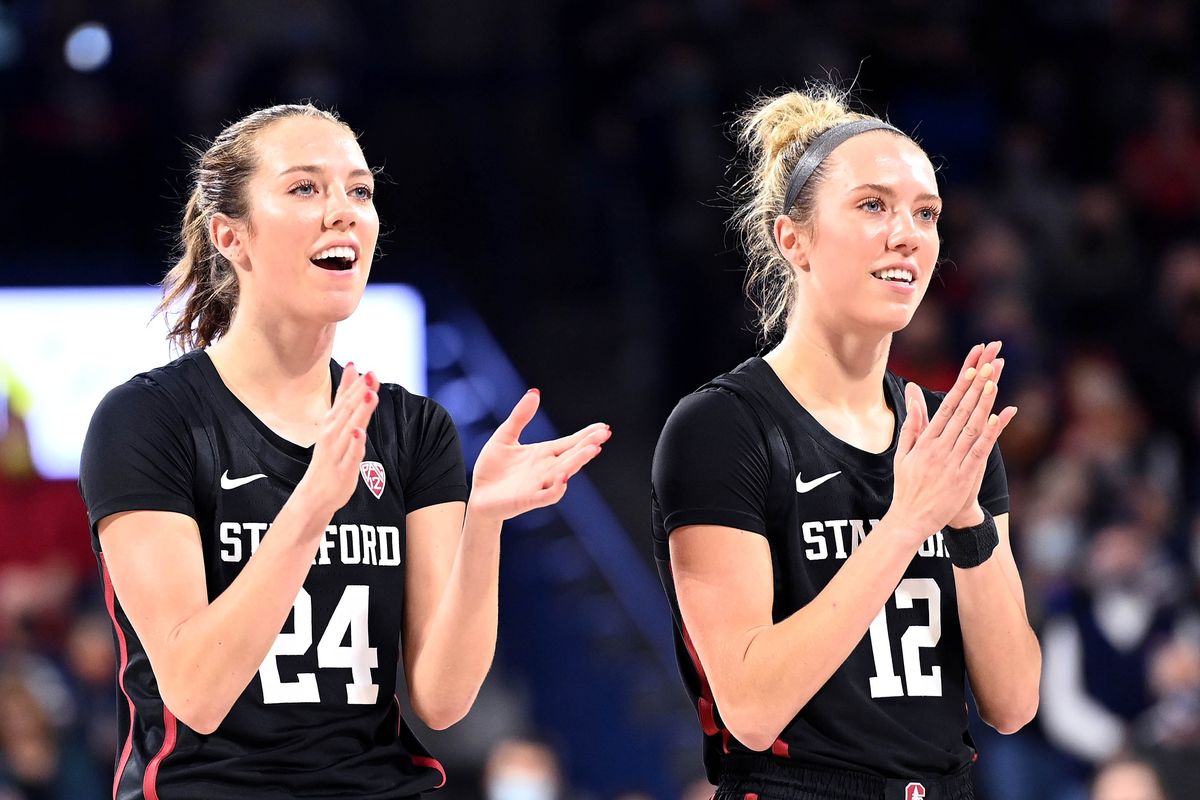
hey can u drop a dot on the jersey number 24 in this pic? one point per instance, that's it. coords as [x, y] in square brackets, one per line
[358, 656]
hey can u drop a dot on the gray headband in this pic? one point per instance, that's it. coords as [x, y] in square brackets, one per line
[819, 149]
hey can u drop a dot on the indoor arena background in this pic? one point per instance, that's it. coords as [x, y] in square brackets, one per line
[554, 176]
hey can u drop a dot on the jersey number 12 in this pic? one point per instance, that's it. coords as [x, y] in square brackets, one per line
[358, 657]
[886, 682]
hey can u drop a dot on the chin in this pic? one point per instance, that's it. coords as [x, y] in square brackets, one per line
[338, 308]
[886, 324]
[901, 322]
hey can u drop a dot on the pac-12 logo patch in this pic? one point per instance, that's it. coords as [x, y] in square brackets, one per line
[914, 791]
[373, 476]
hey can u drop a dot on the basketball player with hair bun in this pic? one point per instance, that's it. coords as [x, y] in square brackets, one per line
[833, 539]
[268, 522]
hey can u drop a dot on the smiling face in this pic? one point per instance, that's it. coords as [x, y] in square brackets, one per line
[305, 252]
[867, 259]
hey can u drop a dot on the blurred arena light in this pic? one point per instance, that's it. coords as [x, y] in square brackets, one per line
[88, 47]
[10, 40]
[62, 349]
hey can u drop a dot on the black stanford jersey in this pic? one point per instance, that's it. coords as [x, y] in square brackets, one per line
[320, 718]
[896, 707]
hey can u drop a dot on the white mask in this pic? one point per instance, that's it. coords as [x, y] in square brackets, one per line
[520, 787]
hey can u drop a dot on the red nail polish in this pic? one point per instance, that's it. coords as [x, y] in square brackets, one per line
[367, 396]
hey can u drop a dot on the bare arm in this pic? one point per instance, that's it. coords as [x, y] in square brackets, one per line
[445, 550]
[203, 654]
[1004, 661]
[761, 673]
[452, 580]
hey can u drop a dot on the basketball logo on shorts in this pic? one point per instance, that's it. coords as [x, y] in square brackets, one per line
[914, 791]
[373, 477]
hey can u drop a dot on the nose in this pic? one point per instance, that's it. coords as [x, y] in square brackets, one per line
[339, 211]
[904, 236]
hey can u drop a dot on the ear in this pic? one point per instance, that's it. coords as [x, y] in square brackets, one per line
[228, 235]
[793, 241]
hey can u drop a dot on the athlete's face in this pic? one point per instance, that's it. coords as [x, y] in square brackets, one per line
[311, 191]
[876, 210]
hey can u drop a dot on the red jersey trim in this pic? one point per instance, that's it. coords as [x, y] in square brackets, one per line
[431, 763]
[706, 704]
[110, 601]
[150, 782]
[780, 748]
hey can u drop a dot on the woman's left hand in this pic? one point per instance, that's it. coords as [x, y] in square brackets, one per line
[511, 478]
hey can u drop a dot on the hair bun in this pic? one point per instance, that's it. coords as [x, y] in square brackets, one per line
[774, 125]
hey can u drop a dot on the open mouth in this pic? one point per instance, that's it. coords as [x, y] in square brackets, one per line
[337, 259]
[895, 276]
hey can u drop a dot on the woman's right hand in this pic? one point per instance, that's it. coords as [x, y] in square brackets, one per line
[332, 474]
[940, 461]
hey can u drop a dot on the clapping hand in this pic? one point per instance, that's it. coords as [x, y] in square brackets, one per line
[511, 478]
[940, 462]
[332, 474]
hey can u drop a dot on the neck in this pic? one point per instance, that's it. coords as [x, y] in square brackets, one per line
[839, 370]
[277, 362]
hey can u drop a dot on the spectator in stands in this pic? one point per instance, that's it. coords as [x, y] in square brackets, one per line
[44, 552]
[1168, 733]
[1162, 162]
[39, 760]
[522, 769]
[1098, 643]
[1127, 779]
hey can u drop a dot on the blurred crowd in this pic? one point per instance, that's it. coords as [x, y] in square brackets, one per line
[583, 146]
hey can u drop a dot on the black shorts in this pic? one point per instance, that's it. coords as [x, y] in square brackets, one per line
[755, 777]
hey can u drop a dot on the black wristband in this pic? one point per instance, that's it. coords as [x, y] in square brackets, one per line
[970, 547]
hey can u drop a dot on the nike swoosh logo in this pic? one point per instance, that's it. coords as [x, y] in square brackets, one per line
[803, 486]
[233, 483]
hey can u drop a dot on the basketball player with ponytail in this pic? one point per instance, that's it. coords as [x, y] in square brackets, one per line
[832, 538]
[268, 522]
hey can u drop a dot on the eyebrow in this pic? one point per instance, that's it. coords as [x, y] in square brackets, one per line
[315, 170]
[888, 191]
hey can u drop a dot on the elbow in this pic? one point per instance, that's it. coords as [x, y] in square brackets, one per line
[199, 709]
[755, 727]
[203, 725]
[440, 720]
[755, 739]
[1009, 724]
[1014, 716]
[203, 718]
[192, 697]
[440, 713]
[752, 712]
[1009, 705]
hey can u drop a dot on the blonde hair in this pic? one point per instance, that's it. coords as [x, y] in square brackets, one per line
[773, 133]
[202, 274]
